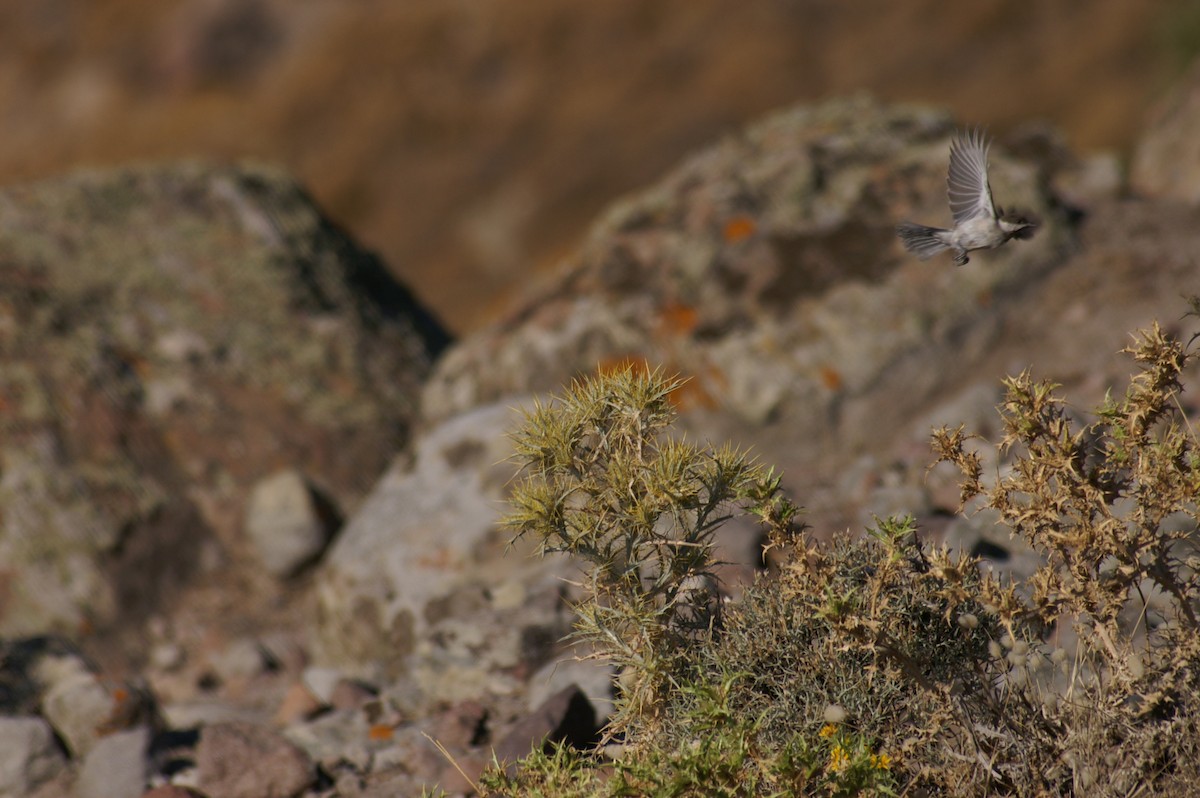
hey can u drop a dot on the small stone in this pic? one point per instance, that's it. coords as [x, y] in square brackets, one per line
[596, 678]
[284, 523]
[350, 694]
[29, 754]
[460, 726]
[460, 776]
[508, 595]
[167, 656]
[322, 682]
[82, 707]
[116, 767]
[334, 737]
[298, 704]
[242, 659]
[242, 760]
[195, 714]
[567, 716]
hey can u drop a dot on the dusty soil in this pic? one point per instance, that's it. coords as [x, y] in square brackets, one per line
[471, 142]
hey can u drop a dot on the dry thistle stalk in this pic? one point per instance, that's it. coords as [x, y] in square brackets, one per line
[1114, 508]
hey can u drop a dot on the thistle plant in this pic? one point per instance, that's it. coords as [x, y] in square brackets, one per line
[603, 482]
[1103, 501]
[1113, 507]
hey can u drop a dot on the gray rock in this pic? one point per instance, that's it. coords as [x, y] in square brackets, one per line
[340, 736]
[82, 707]
[29, 755]
[415, 539]
[595, 678]
[116, 766]
[175, 331]
[241, 760]
[200, 713]
[240, 660]
[78, 705]
[567, 716]
[284, 524]
[322, 682]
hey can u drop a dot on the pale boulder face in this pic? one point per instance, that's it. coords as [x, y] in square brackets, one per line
[415, 540]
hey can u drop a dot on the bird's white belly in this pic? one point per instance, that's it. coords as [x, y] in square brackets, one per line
[979, 233]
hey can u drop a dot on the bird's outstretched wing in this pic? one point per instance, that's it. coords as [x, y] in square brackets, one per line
[967, 184]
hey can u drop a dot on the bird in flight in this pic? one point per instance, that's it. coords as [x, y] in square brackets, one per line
[978, 222]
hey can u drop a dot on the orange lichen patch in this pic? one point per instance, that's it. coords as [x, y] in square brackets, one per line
[739, 228]
[830, 377]
[381, 732]
[692, 394]
[677, 319]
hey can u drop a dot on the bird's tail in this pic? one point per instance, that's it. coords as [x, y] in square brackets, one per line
[922, 241]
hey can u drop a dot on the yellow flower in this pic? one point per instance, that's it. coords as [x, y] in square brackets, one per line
[828, 730]
[839, 760]
[881, 761]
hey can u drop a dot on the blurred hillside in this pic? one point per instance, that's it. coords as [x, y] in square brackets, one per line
[469, 142]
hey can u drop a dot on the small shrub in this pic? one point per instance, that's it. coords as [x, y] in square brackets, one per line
[877, 665]
[1112, 507]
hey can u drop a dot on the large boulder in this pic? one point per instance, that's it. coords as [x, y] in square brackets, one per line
[766, 269]
[168, 335]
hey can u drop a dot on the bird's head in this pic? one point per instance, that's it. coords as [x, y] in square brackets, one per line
[1017, 224]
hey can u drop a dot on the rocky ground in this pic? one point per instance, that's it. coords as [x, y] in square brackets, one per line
[250, 490]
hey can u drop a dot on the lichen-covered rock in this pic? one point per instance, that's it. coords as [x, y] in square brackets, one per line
[168, 335]
[766, 268]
